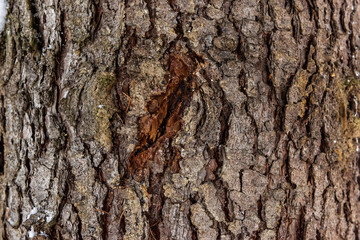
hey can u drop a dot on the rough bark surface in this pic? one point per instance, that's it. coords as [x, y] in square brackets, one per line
[180, 119]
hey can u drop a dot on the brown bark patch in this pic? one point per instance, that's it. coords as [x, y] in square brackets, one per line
[165, 113]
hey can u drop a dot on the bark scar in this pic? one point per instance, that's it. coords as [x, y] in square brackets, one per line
[165, 112]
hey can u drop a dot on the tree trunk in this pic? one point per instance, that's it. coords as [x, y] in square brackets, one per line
[180, 119]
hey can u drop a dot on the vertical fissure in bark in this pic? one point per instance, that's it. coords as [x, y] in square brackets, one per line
[151, 33]
[194, 233]
[295, 23]
[96, 19]
[157, 200]
[130, 43]
[260, 209]
[241, 180]
[301, 224]
[240, 51]
[311, 181]
[64, 37]
[46, 141]
[307, 51]
[79, 223]
[333, 24]
[342, 17]
[105, 218]
[255, 127]
[314, 13]
[27, 164]
[2, 159]
[356, 232]
[268, 80]
[286, 169]
[224, 117]
[37, 41]
[227, 205]
[324, 144]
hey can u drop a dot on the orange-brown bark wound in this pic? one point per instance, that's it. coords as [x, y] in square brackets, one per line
[165, 113]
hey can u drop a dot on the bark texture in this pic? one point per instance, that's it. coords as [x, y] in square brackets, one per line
[180, 119]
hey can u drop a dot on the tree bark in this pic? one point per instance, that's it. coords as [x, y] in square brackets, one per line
[180, 119]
